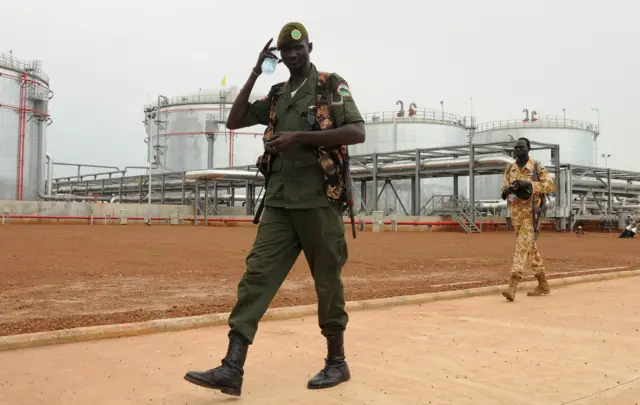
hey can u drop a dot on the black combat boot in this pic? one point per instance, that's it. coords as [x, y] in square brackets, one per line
[228, 377]
[336, 370]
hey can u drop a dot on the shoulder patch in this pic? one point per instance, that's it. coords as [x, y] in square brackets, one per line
[343, 90]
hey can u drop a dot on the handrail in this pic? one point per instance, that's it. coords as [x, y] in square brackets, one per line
[219, 96]
[33, 68]
[548, 122]
[422, 115]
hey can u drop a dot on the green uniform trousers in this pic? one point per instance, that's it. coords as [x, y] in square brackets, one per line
[282, 235]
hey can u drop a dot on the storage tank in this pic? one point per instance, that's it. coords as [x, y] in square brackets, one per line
[24, 96]
[575, 138]
[192, 134]
[414, 128]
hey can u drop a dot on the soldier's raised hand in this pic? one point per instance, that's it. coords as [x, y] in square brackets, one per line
[267, 52]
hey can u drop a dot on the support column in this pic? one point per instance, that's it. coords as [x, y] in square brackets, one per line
[210, 141]
[162, 189]
[195, 204]
[375, 182]
[363, 194]
[569, 197]
[206, 202]
[455, 186]
[610, 196]
[561, 200]
[416, 186]
[472, 182]
[414, 209]
[560, 192]
[248, 202]
[184, 179]
[215, 196]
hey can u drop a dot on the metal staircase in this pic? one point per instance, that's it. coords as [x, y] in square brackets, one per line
[459, 210]
[209, 208]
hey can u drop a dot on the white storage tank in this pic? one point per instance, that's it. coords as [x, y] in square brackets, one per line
[575, 138]
[410, 129]
[192, 134]
[24, 97]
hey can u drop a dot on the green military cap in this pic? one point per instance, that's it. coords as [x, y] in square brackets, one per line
[524, 193]
[292, 32]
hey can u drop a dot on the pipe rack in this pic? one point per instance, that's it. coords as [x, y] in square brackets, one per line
[582, 191]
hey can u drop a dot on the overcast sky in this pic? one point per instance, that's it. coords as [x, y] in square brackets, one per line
[107, 59]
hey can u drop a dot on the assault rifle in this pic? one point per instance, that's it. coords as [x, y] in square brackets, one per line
[264, 169]
[536, 211]
[348, 184]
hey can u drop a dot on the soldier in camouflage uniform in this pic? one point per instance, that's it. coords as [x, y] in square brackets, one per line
[518, 179]
[298, 215]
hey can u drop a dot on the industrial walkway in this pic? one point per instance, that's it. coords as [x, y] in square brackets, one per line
[575, 343]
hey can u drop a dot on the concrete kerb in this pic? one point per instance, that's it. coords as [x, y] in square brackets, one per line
[89, 333]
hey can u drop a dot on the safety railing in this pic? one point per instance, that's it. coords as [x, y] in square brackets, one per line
[218, 97]
[459, 209]
[421, 115]
[547, 122]
[439, 205]
[34, 68]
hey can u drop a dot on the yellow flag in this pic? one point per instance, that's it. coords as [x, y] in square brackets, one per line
[224, 81]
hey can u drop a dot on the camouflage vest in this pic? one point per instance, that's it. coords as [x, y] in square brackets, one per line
[332, 160]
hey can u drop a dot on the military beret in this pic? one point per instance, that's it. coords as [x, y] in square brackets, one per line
[524, 193]
[292, 32]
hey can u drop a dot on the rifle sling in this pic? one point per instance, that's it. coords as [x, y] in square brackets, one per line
[536, 214]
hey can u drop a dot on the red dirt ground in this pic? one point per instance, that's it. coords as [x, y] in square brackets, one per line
[63, 276]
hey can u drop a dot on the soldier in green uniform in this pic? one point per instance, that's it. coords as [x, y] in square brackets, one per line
[298, 215]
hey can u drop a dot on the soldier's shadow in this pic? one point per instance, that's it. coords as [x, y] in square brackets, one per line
[207, 398]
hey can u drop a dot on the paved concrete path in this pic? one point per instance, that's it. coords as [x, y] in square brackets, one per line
[573, 344]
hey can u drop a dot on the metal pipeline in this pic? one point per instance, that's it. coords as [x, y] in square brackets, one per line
[550, 203]
[435, 164]
[409, 167]
[224, 174]
[487, 161]
[89, 217]
[82, 176]
[40, 184]
[134, 167]
[123, 172]
[241, 220]
[88, 165]
[49, 173]
[176, 197]
[597, 185]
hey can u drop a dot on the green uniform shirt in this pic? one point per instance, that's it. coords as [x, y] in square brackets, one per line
[297, 179]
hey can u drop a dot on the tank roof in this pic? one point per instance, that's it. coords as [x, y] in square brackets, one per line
[546, 122]
[33, 68]
[209, 96]
[421, 116]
